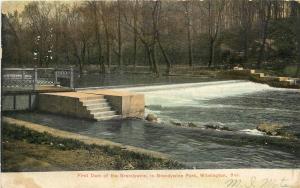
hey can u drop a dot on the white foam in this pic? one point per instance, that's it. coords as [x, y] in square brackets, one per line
[253, 132]
[191, 94]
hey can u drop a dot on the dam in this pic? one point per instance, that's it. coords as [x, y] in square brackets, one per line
[236, 104]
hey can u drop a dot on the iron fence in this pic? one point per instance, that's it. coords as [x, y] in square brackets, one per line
[31, 78]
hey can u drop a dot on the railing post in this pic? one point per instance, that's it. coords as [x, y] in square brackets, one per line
[23, 75]
[71, 77]
[55, 76]
[35, 82]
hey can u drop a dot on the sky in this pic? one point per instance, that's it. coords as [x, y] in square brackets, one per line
[11, 6]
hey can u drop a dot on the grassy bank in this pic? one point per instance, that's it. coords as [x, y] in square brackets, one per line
[27, 150]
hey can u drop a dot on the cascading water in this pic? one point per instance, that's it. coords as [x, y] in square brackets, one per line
[191, 94]
[215, 103]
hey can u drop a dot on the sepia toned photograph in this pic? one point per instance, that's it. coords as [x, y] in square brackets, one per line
[130, 85]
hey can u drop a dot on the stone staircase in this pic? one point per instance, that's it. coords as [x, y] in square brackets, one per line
[99, 108]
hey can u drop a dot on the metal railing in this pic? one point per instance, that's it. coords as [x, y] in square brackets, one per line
[31, 78]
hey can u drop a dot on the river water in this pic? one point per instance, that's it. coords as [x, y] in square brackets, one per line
[238, 105]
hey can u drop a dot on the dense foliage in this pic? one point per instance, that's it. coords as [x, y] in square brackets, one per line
[257, 33]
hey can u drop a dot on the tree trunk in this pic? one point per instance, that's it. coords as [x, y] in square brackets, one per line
[189, 33]
[165, 57]
[297, 29]
[261, 54]
[266, 18]
[108, 47]
[135, 34]
[97, 33]
[190, 48]
[120, 59]
[154, 62]
[108, 54]
[148, 50]
[245, 47]
[211, 53]
[83, 54]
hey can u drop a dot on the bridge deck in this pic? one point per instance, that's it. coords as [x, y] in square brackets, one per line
[39, 89]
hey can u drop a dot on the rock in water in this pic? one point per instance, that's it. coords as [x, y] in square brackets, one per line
[151, 118]
[269, 129]
[190, 124]
[275, 130]
[217, 127]
[176, 123]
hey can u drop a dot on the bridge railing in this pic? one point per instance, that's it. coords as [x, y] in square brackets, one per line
[31, 78]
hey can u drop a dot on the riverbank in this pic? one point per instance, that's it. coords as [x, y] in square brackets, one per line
[38, 149]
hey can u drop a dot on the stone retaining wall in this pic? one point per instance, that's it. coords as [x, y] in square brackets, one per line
[62, 103]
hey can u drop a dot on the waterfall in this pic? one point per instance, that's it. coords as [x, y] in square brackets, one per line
[192, 93]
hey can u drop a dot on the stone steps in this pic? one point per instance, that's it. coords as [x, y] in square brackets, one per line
[93, 101]
[271, 80]
[104, 113]
[96, 105]
[108, 117]
[99, 108]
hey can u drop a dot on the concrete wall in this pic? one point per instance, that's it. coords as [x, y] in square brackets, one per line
[69, 103]
[62, 105]
[18, 101]
[127, 104]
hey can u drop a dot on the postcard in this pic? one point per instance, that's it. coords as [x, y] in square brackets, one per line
[150, 93]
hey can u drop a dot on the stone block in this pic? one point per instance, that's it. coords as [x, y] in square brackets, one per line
[7, 102]
[283, 78]
[22, 102]
[269, 78]
[62, 103]
[259, 75]
[127, 104]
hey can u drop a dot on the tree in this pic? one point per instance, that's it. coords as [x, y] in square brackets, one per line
[80, 39]
[120, 55]
[296, 21]
[37, 16]
[215, 9]
[187, 13]
[135, 20]
[93, 6]
[265, 16]
[11, 27]
[152, 33]
[246, 16]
